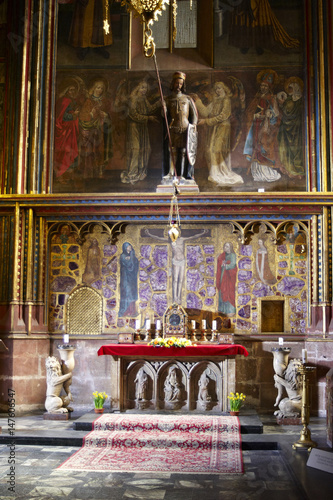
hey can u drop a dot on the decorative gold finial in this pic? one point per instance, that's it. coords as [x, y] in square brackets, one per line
[147, 11]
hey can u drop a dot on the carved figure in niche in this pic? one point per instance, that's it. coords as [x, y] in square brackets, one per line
[140, 112]
[64, 236]
[56, 381]
[93, 263]
[178, 261]
[262, 264]
[287, 378]
[263, 121]
[217, 116]
[181, 112]
[226, 274]
[87, 29]
[172, 387]
[129, 267]
[290, 136]
[95, 132]
[141, 381]
[203, 386]
[252, 23]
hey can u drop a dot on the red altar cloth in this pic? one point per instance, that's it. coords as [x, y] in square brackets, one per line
[146, 350]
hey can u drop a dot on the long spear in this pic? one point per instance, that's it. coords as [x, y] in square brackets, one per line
[165, 116]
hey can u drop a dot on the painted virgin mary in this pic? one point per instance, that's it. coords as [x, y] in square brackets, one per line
[129, 266]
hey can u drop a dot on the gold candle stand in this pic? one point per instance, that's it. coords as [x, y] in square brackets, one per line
[137, 334]
[203, 337]
[305, 440]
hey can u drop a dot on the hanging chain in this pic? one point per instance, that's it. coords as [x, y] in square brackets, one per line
[149, 44]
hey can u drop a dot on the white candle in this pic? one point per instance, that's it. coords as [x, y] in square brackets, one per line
[158, 324]
[193, 324]
[214, 324]
[204, 324]
[137, 324]
[304, 356]
[147, 324]
[280, 340]
[66, 338]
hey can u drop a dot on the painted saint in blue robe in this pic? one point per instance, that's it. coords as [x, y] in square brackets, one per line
[129, 267]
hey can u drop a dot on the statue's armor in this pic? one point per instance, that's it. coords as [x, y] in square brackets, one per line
[181, 113]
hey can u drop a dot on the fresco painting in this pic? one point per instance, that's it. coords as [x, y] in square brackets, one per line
[209, 273]
[82, 39]
[249, 115]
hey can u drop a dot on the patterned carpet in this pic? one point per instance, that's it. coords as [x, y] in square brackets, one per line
[161, 443]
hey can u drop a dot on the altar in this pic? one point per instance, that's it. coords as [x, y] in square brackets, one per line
[195, 378]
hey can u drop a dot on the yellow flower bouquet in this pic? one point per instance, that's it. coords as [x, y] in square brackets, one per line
[236, 401]
[99, 399]
[170, 342]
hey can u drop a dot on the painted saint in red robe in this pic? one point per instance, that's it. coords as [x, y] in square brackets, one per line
[66, 131]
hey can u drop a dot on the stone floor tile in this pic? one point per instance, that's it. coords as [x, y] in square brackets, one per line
[183, 494]
[51, 491]
[144, 494]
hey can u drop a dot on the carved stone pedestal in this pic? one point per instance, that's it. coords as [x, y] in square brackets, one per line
[289, 421]
[57, 416]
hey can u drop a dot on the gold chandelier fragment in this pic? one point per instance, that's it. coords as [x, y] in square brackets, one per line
[148, 12]
[174, 219]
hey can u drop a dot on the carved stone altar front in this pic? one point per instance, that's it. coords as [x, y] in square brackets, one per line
[189, 384]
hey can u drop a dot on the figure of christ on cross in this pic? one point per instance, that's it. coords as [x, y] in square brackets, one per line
[178, 261]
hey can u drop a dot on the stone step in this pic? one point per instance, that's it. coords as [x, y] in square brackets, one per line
[249, 442]
[250, 422]
[42, 432]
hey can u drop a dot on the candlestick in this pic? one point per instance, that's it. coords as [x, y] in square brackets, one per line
[305, 440]
[304, 356]
[137, 330]
[203, 331]
[192, 331]
[212, 338]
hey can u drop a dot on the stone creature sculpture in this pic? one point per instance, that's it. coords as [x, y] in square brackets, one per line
[56, 381]
[291, 380]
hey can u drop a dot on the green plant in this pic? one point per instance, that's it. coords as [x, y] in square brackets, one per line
[236, 401]
[99, 399]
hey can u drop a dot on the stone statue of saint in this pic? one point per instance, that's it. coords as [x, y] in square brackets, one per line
[141, 381]
[172, 387]
[203, 386]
